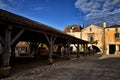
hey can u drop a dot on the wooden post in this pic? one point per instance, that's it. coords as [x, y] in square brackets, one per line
[62, 51]
[6, 47]
[50, 52]
[68, 49]
[4, 70]
[51, 39]
[12, 57]
[78, 54]
[84, 50]
[2, 40]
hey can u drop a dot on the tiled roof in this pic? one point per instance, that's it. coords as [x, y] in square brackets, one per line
[114, 26]
[76, 28]
[33, 29]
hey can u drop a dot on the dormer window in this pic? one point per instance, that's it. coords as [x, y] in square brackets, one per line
[71, 29]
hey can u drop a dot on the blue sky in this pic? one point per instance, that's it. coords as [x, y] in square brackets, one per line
[61, 13]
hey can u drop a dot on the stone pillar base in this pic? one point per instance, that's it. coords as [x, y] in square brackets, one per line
[5, 72]
[50, 61]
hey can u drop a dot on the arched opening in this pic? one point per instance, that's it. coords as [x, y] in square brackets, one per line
[95, 48]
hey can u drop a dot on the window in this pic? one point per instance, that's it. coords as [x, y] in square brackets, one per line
[90, 29]
[71, 29]
[90, 38]
[117, 35]
[116, 30]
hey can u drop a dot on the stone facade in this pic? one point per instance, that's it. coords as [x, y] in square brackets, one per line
[74, 30]
[94, 34]
[106, 39]
[112, 39]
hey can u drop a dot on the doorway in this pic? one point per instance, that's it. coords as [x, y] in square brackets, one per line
[112, 49]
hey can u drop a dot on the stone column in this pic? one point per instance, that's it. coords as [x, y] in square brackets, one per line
[107, 51]
[117, 49]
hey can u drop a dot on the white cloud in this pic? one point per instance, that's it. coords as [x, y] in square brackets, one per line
[97, 11]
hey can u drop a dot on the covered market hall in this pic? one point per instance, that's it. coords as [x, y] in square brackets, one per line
[15, 28]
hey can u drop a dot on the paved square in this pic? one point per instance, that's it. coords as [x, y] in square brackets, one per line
[94, 67]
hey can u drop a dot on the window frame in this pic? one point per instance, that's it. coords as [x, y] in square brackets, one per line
[117, 35]
[90, 38]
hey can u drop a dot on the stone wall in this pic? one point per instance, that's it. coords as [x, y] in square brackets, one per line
[97, 33]
[111, 40]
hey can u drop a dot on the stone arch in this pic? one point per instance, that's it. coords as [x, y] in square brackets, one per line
[96, 48]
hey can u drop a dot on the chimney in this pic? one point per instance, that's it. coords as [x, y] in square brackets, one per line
[104, 24]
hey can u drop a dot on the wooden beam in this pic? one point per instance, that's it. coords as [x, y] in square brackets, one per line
[50, 38]
[17, 36]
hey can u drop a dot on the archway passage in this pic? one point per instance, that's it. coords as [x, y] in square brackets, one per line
[95, 48]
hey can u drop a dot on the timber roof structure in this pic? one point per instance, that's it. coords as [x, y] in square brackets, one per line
[33, 31]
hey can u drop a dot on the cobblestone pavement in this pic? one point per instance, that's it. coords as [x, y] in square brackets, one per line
[95, 67]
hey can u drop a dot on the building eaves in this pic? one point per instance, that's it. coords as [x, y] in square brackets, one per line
[114, 26]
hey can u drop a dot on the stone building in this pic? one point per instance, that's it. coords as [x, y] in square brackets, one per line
[104, 39]
[112, 39]
[94, 34]
[74, 30]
